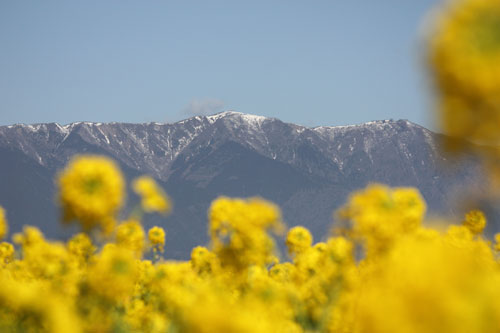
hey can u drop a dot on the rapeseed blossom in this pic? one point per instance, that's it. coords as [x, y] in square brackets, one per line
[80, 245]
[238, 230]
[153, 199]
[6, 252]
[3, 223]
[475, 221]
[298, 240]
[465, 58]
[379, 215]
[130, 235]
[430, 285]
[91, 191]
[156, 237]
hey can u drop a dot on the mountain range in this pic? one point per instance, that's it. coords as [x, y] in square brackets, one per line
[308, 172]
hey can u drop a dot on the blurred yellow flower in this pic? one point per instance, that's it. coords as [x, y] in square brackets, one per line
[204, 261]
[130, 234]
[497, 242]
[426, 285]
[298, 240]
[153, 198]
[29, 237]
[6, 252]
[238, 230]
[465, 60]
[4, 227]
[380, 214]
[156, 236]
[91, 190]
[81, 246]
[475, 221]
[113, 273]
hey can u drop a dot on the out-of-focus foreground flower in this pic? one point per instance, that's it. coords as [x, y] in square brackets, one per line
[464, 57]
[153, 199]
[4, 228]
[91, 192]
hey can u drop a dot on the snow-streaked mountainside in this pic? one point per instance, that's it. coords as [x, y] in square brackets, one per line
[307, 171]
[153, 147]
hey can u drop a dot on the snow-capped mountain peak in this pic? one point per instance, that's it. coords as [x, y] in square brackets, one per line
[153, 147]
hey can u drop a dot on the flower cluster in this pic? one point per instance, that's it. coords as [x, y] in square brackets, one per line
[382, 261]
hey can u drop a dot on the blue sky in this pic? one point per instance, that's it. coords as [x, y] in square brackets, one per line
[308, 62]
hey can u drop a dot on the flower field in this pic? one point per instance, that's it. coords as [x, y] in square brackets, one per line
[382, 268]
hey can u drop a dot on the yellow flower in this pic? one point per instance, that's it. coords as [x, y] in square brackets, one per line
[298, 240]
[204, 261]
[113, 273]
[156, 236]
[340, 249]
[131, 235]
[91, 190]
[475, 221]
[81, 246]
[30, 236]
[47, 260]
[3, 223]
[238, 229]
[426, 285]
[6, 252]
[282, 273]
[153, 199]
[497, 242]
[28, 306]
[380, 215]
[465, 59]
